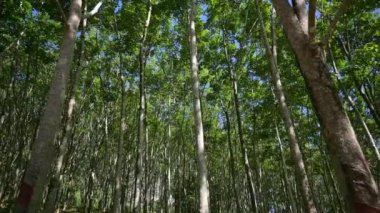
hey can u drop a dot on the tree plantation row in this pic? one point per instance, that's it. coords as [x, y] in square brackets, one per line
[189, 106]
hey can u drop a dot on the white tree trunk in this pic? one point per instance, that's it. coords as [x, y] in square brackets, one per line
[202, 167]
[39, 165]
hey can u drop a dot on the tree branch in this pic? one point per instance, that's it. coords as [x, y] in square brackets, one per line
[61, 10]
[312, 27]
[331, 29]
[93, 11]
[299, 7]
[290, 21]
[14, 43]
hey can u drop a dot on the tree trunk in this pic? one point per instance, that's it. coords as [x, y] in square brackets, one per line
[116, 208]
[39, 165]
[142, 116]
[300, 170]
[285, 174]
[56, 180]
[202, 166]
[358, 186]
[232, 161]
[243, 148]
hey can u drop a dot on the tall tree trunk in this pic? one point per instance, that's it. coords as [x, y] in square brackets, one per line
[39, 165]
[142, 116]
[167, 177]
[146, 165]
[232, 161]
[358, 186]
[300, 170]
[243, 148]
[116, 208]
[202, 165]
[56, 179]
[289, 192]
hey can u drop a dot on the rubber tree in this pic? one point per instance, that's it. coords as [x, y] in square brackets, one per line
[39, 165]
[202, 166]
[142, 129]
[243, 144]
[357, 183]
[300, 170]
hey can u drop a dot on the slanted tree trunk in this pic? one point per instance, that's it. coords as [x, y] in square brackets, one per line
[202, 166]
[39, 165]
[56, 179]
[357, 184]
[300, 170]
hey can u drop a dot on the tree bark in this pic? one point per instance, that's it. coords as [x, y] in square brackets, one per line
[39, 165]
[202, 166]
[300, 170]
[357, 184]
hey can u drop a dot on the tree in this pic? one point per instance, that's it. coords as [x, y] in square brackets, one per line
[201, 154]
[286, 115]
[99, 165]
[142, 110]
[357, 183]
[39, 165]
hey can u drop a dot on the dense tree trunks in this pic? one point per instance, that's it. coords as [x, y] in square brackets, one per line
[249, 152]
[15, 124]
[39, 165]
[361, 88]
[202, 165]
[364, 125]
[375, 110]
[287, 186]
[353, 105]
[337, 197]
[300, 169]
[358, 186]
